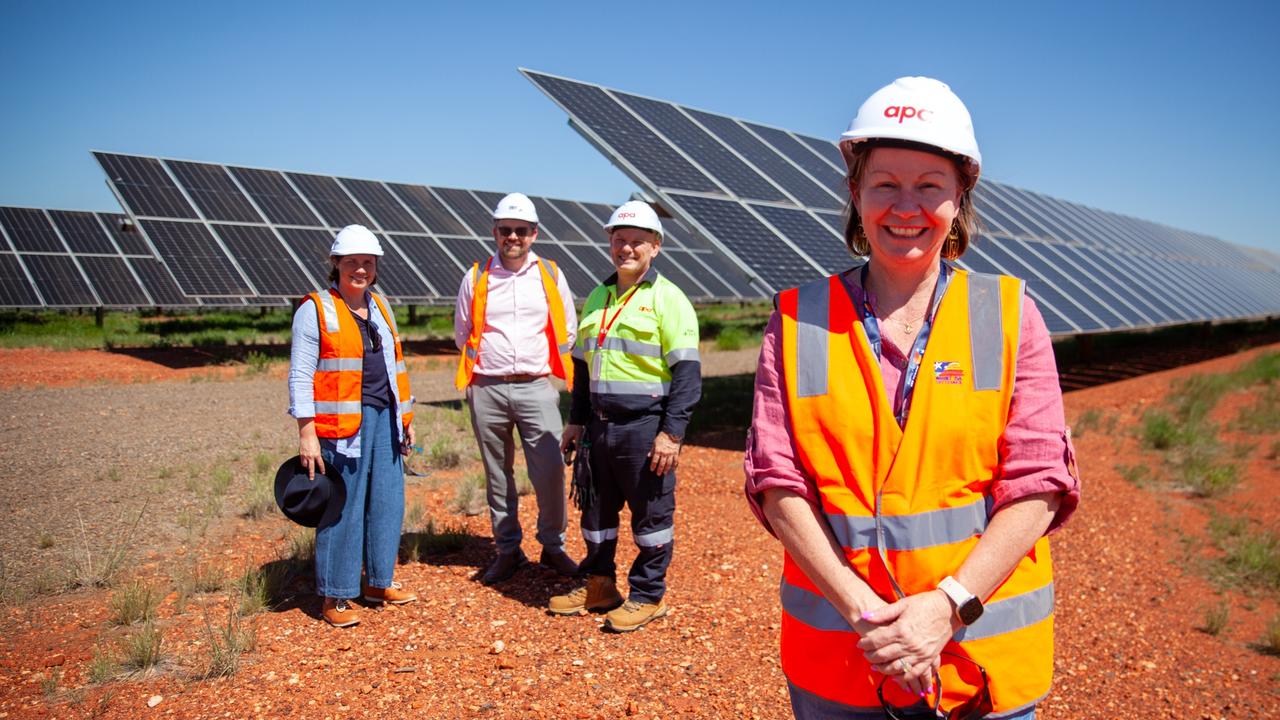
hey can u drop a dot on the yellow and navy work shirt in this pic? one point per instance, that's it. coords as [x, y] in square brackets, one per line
[647, 362]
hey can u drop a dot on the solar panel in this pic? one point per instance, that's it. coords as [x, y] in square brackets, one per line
[430, 235]
[114, 282]
[144, 186]
[59, 280]
[16, 289]
[769, 201]
[82, 232]
[30, 231]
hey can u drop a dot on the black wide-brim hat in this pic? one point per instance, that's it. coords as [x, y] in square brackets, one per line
[308, 502]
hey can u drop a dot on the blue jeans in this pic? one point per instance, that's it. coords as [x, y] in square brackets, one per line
[368, 531]
[807, 706]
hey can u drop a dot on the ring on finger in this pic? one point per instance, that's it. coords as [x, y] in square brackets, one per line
[902, 663]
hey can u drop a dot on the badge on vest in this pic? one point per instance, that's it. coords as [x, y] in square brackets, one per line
[947, 372]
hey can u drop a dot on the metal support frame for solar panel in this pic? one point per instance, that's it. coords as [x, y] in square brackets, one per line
[79, 259]
[432, 235]
[768, 198]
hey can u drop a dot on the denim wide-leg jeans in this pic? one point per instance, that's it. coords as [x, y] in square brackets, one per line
[368, 531]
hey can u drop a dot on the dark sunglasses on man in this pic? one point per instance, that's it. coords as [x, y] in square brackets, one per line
[975, 708]
[521, 232]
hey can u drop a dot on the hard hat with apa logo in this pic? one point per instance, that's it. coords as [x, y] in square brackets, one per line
[919, 110]
[516, 206]
[355, 240]
[635, 213]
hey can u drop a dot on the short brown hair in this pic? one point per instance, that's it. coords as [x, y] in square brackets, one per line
[964, 227]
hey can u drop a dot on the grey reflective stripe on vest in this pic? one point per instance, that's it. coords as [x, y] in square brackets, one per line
[1002, 616]
[812, 318]
[580, 351]
[406, 407]
[564, 347]
[986, 332]
[401, 367]
[630, 347]
[339, 364]
[912, 532]
[338, 408]
[629, 387]
[657, 538]
[599, 536]
[330, 311]
[682, 354]
[470, 351]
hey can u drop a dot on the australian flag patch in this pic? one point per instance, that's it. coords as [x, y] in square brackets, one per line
[947, 372]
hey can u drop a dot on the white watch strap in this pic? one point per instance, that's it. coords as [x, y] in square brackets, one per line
[958, 593]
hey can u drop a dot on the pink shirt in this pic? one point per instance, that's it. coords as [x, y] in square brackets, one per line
[1035, 451]
[514, 340]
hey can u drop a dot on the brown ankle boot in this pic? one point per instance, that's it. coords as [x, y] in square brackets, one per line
[598, 595]
[339, 612]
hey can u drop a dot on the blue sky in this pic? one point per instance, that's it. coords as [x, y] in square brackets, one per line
[1165, 111]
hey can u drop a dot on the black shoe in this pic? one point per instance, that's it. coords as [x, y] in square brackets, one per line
[559, 561]
[504, 567]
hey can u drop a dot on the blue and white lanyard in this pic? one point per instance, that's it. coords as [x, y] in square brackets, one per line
[871, 325]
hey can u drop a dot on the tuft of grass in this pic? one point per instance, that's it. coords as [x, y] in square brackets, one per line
[261, 587]
[264, 464]
[1255, 559]
[414, 513]
[261, 499]
[1271, 637]
[227, 643]
[444, 453]
[468, 495]
[133, 603]
[165, 473]
[1137, 475]
[1160, 431]
[1273, 452]
[1206, 477]
[143, 649]
[524, 486]
[1216, 618]
[1087, 420]
[1263, 415]
[94, 567]
[220, 481]
[44, 541]
[49, 684]
[302, 546]
[197, 578]
[103, 666]
[256, 363]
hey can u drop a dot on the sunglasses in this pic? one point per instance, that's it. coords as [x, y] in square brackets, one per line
[521, 232]
[975, 708]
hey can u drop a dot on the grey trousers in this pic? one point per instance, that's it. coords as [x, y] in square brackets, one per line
[533, 408]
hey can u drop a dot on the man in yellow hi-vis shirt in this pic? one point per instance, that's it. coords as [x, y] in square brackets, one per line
[638, 344]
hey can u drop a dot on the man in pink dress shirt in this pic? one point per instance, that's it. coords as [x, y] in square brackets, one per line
[510, 387]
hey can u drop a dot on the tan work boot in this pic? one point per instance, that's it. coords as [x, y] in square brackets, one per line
[396, 594]
[598, 595]
[339, 612]
[634, 615]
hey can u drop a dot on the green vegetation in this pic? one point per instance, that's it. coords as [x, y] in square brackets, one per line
[143, 647]
[99, 567]
[1137, 475]
[261, 587]
[103, 666]
[261, 500]
[469, 495]
[1250, 558]
[133, 603]
[1216, 618]
[1263, 415]
[302, 546]
[1271, 637]
[524, 486]
[444, 452]
[227, 643]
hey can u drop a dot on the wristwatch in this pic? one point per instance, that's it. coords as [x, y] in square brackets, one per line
[967, 605]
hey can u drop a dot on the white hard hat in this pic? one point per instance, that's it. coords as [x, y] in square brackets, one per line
[516, 206]
[916, 109]
[635, 213]
[355, 240]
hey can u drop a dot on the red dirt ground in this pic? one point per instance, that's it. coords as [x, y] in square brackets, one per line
[1132, 596]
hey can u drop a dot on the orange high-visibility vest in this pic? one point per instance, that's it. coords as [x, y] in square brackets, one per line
[908, 504]
[340, 368]
[559, 349]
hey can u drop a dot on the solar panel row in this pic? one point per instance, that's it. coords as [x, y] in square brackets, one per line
[235, 232]
[771, 200]
[63, 258]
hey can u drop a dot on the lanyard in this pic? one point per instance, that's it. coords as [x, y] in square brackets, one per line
[871, 325]
[606, 323]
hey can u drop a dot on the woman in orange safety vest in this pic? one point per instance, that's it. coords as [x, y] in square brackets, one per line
[908, 446]
[349, 390]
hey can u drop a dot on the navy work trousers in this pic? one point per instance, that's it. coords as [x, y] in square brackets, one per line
[620, 473]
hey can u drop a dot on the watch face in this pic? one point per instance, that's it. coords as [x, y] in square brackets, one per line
[970, 611]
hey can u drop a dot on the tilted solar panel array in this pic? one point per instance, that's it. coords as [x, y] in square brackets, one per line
[264, 235]
[773, 201]
[65, 258]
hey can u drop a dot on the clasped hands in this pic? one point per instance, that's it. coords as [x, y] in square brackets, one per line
[904, 639]
[664, 455]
